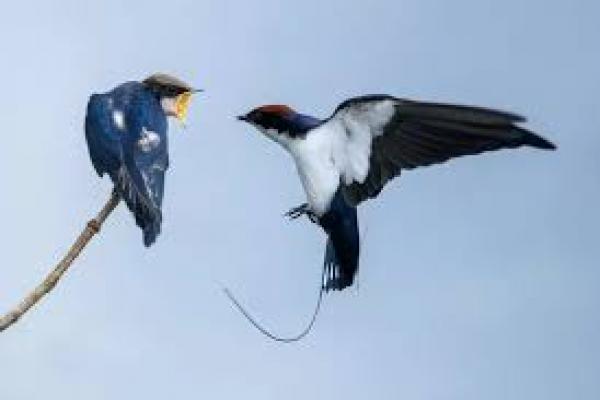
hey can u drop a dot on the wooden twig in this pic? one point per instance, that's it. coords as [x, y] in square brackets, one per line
[92, 228]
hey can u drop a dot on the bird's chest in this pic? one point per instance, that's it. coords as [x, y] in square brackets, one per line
[316, 164]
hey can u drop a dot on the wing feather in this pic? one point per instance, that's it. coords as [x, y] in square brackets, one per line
[102, 136]
[406, 134]
[147, 165]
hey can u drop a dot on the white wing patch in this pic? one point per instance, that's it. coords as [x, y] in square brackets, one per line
[119, 119]
[374, 115]
[361, 122]
[149, 141]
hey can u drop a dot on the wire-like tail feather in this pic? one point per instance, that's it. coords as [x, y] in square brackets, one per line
[266, 332]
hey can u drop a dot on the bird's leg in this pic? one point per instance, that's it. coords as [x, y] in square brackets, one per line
[297, 212]
[302, 209]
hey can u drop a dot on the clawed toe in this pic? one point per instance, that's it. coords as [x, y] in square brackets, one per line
[293, 213]
[297, 212]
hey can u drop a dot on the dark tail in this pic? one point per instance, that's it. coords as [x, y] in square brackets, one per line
[343, 244]
[147, 216]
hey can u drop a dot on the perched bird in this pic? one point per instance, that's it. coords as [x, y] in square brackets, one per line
[126, 133]
[350, 156]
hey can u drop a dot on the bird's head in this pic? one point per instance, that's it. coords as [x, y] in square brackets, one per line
[174, 94]
[278, 122]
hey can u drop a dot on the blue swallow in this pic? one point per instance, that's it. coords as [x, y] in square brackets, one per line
[126, 133]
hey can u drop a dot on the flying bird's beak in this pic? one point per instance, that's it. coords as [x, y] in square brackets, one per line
[242, 118]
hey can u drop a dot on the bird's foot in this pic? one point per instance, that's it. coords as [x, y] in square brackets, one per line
[297, 212]
[303, 209]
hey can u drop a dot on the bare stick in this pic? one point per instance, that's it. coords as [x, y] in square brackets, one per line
[92, 228]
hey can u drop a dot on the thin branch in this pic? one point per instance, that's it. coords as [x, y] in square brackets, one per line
[91, 229]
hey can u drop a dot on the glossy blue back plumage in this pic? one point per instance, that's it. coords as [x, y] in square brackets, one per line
[126, 133]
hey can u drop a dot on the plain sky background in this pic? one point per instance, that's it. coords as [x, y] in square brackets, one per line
[479, 278]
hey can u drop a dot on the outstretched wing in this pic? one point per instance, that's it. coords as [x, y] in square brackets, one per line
[385, 135]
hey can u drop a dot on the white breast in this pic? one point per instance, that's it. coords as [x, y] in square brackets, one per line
[317, 158]
[339, 149]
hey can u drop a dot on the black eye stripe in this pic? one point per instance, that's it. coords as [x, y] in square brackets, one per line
[279, 123]
[270, 121]
[167, 90]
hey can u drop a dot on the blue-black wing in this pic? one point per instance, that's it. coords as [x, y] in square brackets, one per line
[102, 136]
[393, 134]
[127, 137]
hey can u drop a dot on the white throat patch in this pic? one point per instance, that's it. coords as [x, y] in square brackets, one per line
[169, 106]
[283, 138]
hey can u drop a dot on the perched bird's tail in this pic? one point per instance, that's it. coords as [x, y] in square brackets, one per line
[343, 245]
[147, 215]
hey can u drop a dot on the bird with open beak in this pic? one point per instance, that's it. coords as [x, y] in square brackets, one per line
[126, 133]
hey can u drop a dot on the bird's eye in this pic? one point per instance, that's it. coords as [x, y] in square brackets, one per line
[256, 116]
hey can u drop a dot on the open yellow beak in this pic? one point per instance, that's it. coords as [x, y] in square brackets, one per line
[182, 103]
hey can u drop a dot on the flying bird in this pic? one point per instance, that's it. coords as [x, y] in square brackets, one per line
[126, 132]
[349, 157]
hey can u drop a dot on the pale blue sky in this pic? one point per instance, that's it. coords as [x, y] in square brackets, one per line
[479, 278]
